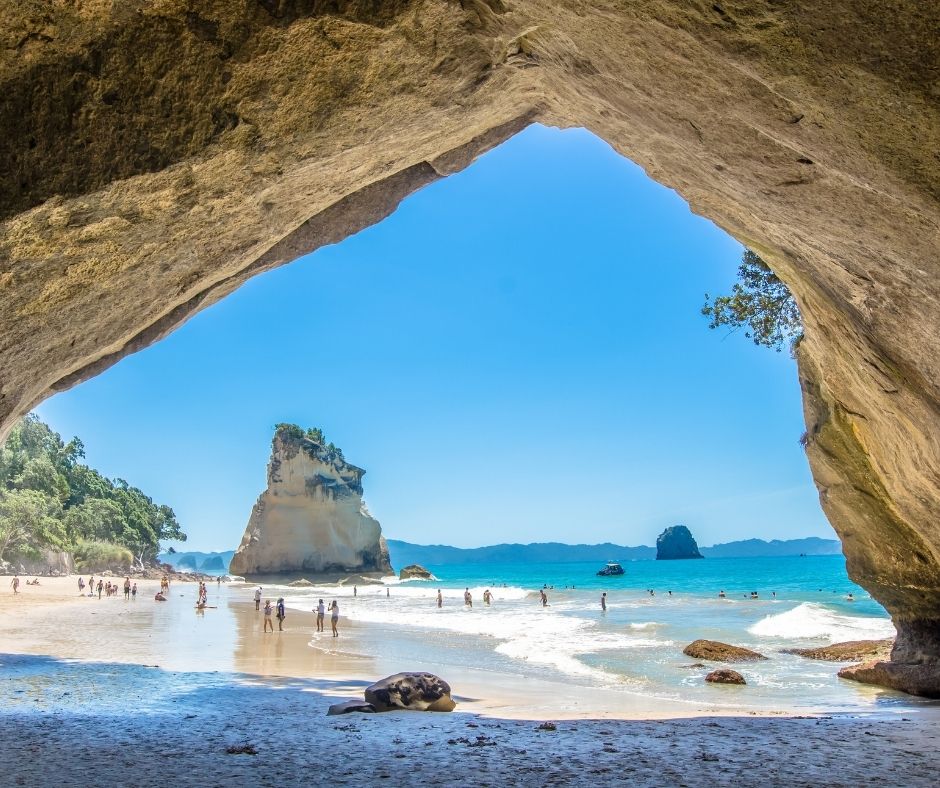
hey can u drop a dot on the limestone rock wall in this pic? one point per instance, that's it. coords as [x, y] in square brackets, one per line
[311, 518]
[158, 153]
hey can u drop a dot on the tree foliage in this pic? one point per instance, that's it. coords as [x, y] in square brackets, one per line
[50, 499]
[760, 303]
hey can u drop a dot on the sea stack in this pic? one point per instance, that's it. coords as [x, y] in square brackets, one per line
[676, 542]
[311, 519]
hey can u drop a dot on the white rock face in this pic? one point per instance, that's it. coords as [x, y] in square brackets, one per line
[311, 518]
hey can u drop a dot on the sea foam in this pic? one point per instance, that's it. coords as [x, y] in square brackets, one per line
[810, 621]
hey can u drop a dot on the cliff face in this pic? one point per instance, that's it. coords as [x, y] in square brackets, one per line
[676, 542]
[311, 518]
[158, 154]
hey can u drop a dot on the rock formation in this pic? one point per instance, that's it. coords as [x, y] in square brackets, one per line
[415, 572]
[725, 676]
[850, 651]
[715, 651]
[157, 155]
[412, 691]
[311, 518]
[676, 542]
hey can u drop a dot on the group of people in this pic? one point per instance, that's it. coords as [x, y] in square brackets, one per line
[467, 598]
[108, 588]
[321, 611]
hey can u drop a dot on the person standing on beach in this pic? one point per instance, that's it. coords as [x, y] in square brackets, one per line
[15, 582]
[321, 611]
[334, 618]
[100, 586]
[267, 616]
[134, 591]
[355, 591]
[258, 598]
[127, 588]
[281, 614]
[604, 601]
[440, 599]
[81, 586]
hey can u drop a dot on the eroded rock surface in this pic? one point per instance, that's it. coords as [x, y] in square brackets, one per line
[415, 572]
[725, 676]
[410, 691]
[715, 651]
[311, 517]
[157, 154]
[914, 678]
[849, 651]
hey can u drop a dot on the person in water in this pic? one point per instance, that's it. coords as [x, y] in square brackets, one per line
[134, 591]
[543, 597]
[487, 596]
[321, 612]
[268, 610]
[334, 617]
[355, 591]
[721, 594]
[467, 598]
[440, 599]
[604, 601]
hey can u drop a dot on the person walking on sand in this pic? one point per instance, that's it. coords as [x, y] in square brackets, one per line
[281, 614]
[100, 586]
[15, 582]
[604, 602]
[81, 586]
[321, 612]
[127, 588]
[268, 610]
[440, 599]
[334, 617]
[258, 598]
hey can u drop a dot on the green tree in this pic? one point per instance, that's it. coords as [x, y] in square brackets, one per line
[95, 519]
[40, 474]
[760, 303]
[29, 521]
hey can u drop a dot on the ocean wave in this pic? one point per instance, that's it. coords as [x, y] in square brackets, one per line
[810, 621]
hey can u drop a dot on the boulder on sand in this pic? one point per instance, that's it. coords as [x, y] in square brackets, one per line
[415, 572]
[716, 651]
[348, 706]
[913, 678]
[725, 676]
[412, 691]
[850, 651]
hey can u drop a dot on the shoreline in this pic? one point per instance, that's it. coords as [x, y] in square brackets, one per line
[228, 638]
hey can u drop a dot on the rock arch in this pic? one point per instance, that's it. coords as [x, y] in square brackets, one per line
[157, 154]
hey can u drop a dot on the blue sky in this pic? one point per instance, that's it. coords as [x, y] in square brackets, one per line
[516, 354]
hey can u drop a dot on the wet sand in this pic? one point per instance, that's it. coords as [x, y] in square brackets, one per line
[145, 693]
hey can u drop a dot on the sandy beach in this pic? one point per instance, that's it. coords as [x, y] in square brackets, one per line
[107, 691]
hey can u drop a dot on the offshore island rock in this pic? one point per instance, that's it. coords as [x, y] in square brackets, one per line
[311, 519]
[676, 542]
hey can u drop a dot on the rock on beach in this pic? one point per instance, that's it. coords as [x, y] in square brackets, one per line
[849, 651]
[411, 691]
[725, 676]
[715, 651]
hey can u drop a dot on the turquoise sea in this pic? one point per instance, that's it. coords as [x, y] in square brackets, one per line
[636, 645]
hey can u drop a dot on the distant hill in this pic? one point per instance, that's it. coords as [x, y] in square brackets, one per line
[404, 553]
[754, 548]
[193, 561]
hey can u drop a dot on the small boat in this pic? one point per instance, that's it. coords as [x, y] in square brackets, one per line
[612, 568]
